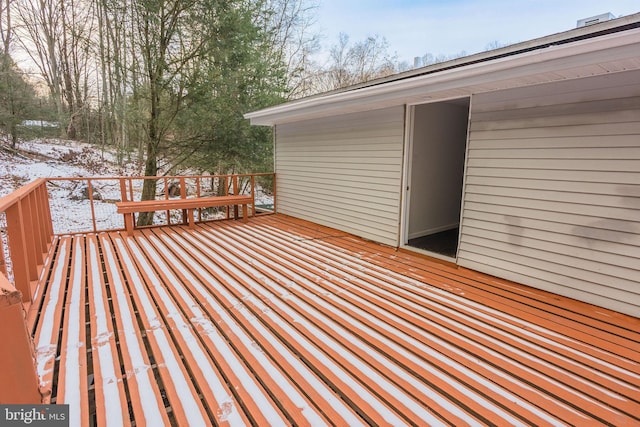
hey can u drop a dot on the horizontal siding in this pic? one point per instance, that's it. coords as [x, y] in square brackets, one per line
[608, 245]
[344, 172]
[552, 194]
[562, 175]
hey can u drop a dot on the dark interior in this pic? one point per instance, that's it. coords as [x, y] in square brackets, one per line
[443, 243]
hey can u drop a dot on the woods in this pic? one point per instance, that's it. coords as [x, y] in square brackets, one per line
[166, 82]
[144, 76]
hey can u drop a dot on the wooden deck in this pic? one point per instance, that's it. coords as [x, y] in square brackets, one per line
[280, 322]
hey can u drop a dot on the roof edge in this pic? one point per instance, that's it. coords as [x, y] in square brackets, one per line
[569, 43]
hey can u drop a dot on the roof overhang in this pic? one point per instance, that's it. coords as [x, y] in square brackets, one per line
[604, 54]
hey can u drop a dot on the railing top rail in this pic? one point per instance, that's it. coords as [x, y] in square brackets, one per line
[96, 178]
[12, 198]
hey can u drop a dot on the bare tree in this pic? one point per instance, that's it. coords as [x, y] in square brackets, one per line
[58, 38]
[114, 34]
[76, 62]
[38, 34]
[6, 29]
[350, 64]
[292, 39]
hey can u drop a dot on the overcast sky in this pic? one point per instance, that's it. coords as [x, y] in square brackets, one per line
[416, 27]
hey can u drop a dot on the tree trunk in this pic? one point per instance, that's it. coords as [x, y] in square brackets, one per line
[149, 186]
[153, 142]
[14, 135]
[6, 32]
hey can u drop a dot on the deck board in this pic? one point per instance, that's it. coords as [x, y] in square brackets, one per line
[285, 322]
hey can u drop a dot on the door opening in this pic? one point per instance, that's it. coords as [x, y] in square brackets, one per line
[437, 156]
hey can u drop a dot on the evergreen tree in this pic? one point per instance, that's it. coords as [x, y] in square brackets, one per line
[204, 63]
[241, 74]
[17, 98]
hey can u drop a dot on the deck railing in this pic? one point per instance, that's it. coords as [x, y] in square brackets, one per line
[27, 231]
[80, 205]
[31, 216]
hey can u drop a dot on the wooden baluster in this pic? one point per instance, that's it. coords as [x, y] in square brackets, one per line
[3, 261]
[48, 222]
[123, 189]
[234, 181]
[30, 236]
[198, 193]
[34, 243]
[93, 210]
[226, 192]
[275, 196]
[187, 214]
[18, 250]
[44, 217]
[129, 223]
[167, 190]
[253, 196]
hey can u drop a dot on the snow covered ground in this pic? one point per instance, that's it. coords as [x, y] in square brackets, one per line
[56, 158]
[70, 207]
[67, 159]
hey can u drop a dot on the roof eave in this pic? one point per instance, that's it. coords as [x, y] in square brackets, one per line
[549, 64]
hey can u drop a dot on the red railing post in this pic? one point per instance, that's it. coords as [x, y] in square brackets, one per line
[3, 261]
[18, 250]
[48, 222]
[42, 210]
[166, 196]
[32, 234]
[275, 195]
[225, 193]
[253, 196]
[234, 181]
[187, 214]
[93, 209]
[129, 223]
[123, 189]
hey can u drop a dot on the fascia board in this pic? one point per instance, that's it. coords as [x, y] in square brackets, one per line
[603, 49]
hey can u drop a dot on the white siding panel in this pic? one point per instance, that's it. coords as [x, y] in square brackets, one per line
[552, 193]
[344, 172]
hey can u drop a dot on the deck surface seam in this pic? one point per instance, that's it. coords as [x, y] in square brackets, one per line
[280, 321]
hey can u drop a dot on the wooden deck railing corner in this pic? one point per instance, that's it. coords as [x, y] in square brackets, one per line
[29, 232]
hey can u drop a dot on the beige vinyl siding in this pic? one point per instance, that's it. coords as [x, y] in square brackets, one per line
[344, 172]
[552, 190]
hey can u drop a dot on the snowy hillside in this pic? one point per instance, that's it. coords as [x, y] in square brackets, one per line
[71, 209]
[56, 158]
[71, 212]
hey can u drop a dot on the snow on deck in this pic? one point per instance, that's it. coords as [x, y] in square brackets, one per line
[281, 322]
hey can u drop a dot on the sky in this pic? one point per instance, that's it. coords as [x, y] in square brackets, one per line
[448, 27]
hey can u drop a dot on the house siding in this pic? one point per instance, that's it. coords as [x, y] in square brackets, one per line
[344, 172]
[552, 189]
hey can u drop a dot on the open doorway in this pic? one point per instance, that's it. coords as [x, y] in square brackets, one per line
[436, 162]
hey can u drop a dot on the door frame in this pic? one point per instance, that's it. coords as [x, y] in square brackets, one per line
[405, 207]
